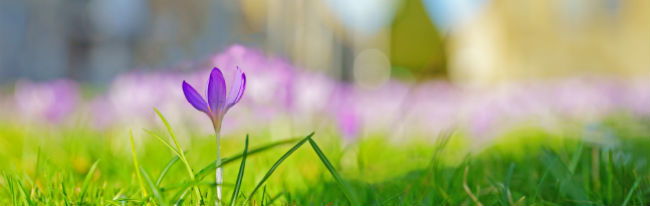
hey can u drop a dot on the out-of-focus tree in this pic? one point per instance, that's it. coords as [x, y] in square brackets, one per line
[532, 39]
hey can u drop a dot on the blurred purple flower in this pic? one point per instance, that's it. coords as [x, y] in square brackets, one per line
[347, 118]
[279, 92]
[271, 78]
[131, 96]
[349, 123]
[218, 101]
[52, 101]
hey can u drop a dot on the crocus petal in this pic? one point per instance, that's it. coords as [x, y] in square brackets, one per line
[236, 89]
[194, 98]
[216, 92]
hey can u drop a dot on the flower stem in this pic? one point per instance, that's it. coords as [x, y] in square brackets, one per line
[219, 172]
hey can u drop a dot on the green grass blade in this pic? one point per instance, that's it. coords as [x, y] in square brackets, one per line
[505, 195]
[277, 163]
[576, 158]
[561, 172]
[347, 190]
[240, 175]
[610, 177]
[38, 165]
[186, 184]
[162, 140]
[539, 186]
[180, 153]
[181, 196]
[179, 150]
[10, 187]
[169, 128]
[166, 170]
[136, 165]
[263, 195]
[629, 194]
[89, 175]
[154, 190]
[25, 195]
[270, 202]
[213, 165]
[66, 198]
[119, 193]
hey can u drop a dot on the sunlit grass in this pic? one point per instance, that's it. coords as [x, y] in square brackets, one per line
[602, 163]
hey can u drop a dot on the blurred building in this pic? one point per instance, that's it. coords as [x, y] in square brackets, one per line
[364, 41]
[93, 41]
[475, 42]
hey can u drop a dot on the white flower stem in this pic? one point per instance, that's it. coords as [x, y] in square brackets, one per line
[219, 172]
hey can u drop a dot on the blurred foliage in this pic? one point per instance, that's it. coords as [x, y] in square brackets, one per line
[416, 43]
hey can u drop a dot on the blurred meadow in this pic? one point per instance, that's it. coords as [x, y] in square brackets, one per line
[386, 102]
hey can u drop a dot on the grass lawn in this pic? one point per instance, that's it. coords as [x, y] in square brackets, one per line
[603, 163]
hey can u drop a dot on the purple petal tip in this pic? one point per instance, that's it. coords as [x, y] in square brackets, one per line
[194, 98]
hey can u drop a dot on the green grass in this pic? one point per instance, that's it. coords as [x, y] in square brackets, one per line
[604, 163]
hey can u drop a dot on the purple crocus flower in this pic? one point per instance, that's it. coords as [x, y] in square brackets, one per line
[219, 102]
